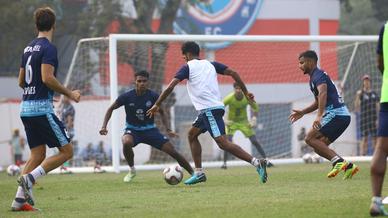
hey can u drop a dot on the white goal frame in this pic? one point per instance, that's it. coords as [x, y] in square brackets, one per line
[114, 38]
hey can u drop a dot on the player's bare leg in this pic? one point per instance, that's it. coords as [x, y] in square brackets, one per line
[170, 150]
[37, 156]
[127, 141]
[195, 146]
[38, 153]
[226, 154]
[22, 200]
[378, 168]
[321, 143]
[237, 151]
[196, 152]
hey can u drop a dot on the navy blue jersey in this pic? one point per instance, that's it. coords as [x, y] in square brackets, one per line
[184, 71]
[37, 97]
[136, 108]
[319, 77]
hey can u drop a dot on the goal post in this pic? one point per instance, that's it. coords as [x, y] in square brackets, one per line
[255, 56]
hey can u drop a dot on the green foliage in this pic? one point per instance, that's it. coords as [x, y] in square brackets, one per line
[358, 17]
[292, 191]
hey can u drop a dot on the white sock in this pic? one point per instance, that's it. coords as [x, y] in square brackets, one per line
[132, 169]
[198, 170]
[19, 193]
[255, 162]
[335, 159]
[38, 172]
[376, 199]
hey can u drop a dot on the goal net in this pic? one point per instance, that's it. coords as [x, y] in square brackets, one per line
[103, 68]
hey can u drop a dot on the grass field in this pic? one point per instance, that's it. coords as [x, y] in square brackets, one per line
[292, 191]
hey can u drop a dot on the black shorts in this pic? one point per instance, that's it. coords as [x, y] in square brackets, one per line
[45, 130]
[150, 137]
[211, 120]
[334, 126]
[383, 121]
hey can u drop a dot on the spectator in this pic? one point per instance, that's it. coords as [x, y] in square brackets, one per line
[101, 155]
[88, 153]
[367, 103]
[67, 114]
[17, 147]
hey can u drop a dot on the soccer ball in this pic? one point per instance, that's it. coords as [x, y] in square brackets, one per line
[312, 158]
[316, 158]
[13, 170]
[307, 158]
[173, 174]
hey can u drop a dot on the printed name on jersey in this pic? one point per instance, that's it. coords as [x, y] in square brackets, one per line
[31, 90]
[31, 49]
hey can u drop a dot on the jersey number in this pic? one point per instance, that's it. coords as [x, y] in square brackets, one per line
[28, 73]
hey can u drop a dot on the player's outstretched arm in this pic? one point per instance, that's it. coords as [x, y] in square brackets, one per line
[108, 114]
[229, 72]
[50, 81]
[152, 111]
[297, 114]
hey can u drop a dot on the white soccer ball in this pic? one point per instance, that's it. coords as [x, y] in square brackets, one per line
[13, 170]
[316, 158]
[307, 158]
[173, 174]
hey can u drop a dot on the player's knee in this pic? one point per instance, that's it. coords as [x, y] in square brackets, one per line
[68, 152]
[191, 137]
[377, 169]
[308, 139]
[222, 143]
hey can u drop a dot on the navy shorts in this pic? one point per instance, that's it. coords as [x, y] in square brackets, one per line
[211, 120]
[383, 121]
[45, 130]
[150, 137]
[334, 125]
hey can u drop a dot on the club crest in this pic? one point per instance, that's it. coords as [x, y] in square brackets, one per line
[210, 17]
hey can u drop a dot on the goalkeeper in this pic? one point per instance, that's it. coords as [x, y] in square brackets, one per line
[237, 120]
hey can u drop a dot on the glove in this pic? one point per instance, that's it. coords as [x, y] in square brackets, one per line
[253, 122]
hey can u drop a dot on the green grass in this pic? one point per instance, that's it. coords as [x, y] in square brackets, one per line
[292, 191]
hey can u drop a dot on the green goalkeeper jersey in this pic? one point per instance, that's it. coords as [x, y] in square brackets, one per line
[238, 108]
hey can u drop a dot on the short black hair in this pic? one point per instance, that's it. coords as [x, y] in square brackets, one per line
[309, 54]
[190, 47]
[143, 73]
[44, 19]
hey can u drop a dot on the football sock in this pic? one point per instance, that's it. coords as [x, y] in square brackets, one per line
[37, 172]
[376, 199]
[336, 159]
[198, 171]
[255, 162]
[133, 170]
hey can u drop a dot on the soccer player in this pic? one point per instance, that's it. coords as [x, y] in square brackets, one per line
[37, 78]
[367, 103]
[140, 128]
[237, 119]
[379, 159]
[332, 117]
[204, 93]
